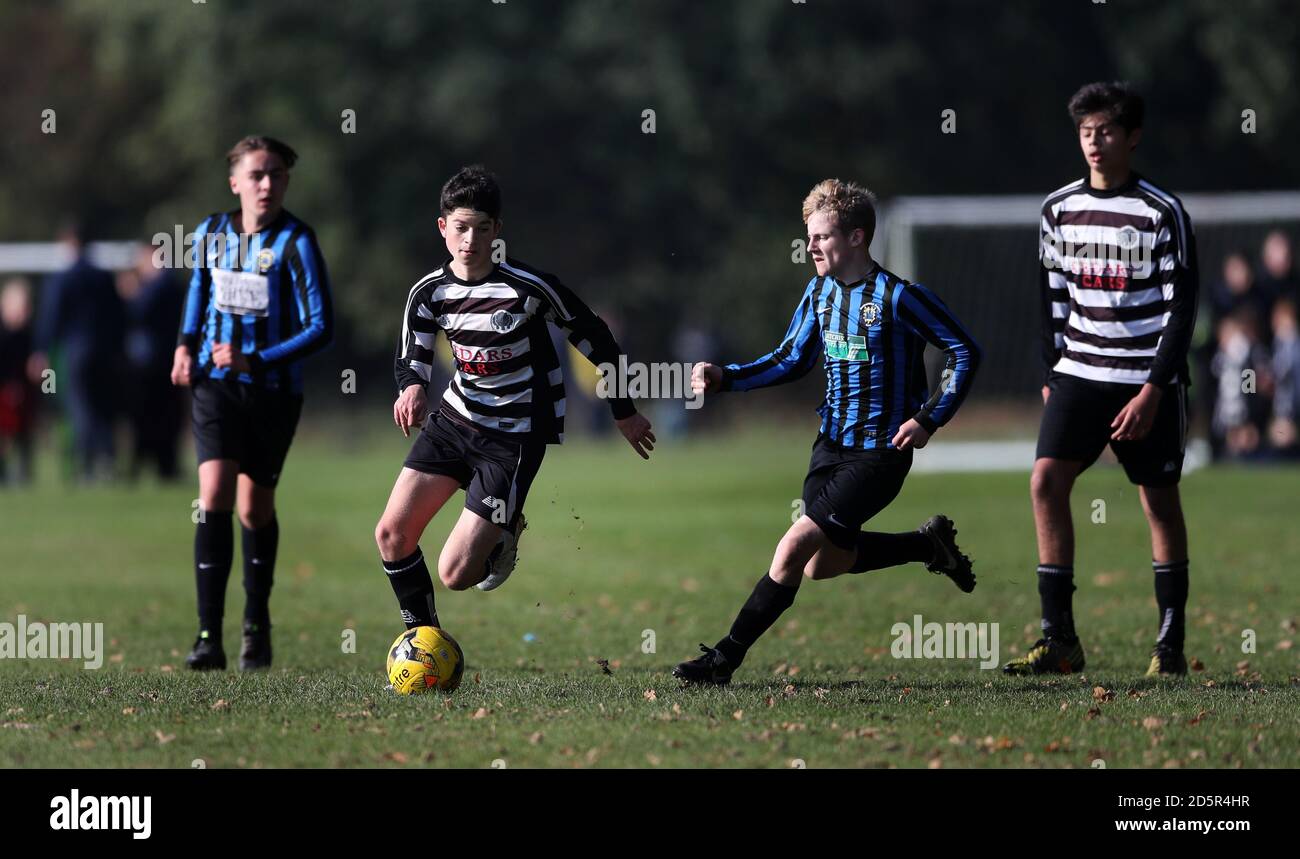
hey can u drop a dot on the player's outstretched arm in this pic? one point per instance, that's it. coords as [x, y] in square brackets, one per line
[591, 336]
[789, 361]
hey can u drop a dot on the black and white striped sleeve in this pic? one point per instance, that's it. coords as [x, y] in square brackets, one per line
[1179, 276]
[586, 331]
[413, 364]
[1053, 288]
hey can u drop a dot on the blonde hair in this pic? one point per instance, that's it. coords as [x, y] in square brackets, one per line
[853, 206]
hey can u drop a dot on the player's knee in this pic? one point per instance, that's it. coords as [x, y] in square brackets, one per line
[1046, 485]
[255, 517]
[391, 541]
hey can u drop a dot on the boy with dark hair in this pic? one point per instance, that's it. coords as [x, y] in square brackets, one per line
[872, 327]
[503, 406]
[258, 304]
[1119, 291]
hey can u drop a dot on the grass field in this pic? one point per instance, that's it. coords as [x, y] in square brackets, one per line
[623, 554]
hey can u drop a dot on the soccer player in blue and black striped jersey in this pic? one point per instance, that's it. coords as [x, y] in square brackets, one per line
[258, 304]
[871, 327]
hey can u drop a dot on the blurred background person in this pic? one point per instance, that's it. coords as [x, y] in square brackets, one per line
[17, 392]
[153, 301]
[1286, 380]
[81, 317]
[1236, 288]
[1243, 380]
[1277, 277]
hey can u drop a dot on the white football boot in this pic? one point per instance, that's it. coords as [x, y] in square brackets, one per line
[501, 563]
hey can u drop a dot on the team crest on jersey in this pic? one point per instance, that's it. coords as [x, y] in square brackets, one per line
[870, 313]
[265, 259]
[503, 320]
[1127, 238]
[443, 320]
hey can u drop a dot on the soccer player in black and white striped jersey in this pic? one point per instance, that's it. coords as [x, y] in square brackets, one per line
[1119, 293]
[503, 406]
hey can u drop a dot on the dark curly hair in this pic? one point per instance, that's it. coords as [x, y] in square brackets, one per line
[1115, 99]
[472, 188]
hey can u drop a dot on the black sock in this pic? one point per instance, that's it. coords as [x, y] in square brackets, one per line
[760, 611]
[1171, 597]
[1055, 592]
[214, 550]
[414, 589]
[259, 571]
[876, 551]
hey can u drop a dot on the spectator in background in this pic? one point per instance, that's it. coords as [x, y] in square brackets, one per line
[81, 317]
[153, 302]
[17, 392]
[1243, 375]
[1277, 276]
[1286, 379]
[1236, 288]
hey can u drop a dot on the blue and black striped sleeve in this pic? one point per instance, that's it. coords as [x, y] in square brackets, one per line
[789, 361]
[929, 318]
[196, 297]
[310, 283]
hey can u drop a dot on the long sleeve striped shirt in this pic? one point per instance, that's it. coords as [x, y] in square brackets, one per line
[873, 335]
[270, 298]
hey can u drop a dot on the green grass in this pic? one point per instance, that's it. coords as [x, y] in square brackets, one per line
[618, 547]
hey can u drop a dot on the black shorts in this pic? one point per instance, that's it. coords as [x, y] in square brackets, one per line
[246, 423]
[494, 472]
[845, 487]
[1076, 427]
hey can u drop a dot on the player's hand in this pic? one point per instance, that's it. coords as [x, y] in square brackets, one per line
[409, 410]
[1134, 421]
[224, 356]
[911, 435]
[1046, 393]
[706, 378]
[182, 364]
[636, 429]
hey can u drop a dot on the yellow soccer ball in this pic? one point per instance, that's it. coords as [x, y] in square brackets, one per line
[425, 658]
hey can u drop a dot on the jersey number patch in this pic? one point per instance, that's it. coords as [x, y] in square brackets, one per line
[239, 292]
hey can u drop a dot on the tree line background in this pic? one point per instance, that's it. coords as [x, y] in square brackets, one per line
[753, 100]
